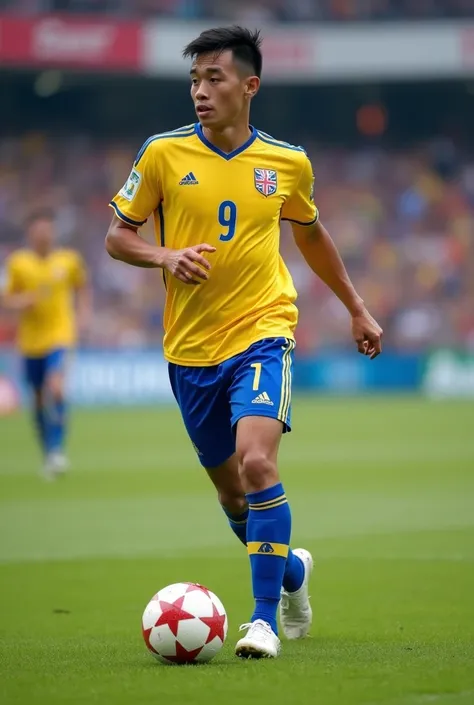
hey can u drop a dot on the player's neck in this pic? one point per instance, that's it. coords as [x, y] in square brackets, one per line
[230, 138]
[42, 254]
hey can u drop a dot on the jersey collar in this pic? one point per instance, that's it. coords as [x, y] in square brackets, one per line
[226, 155]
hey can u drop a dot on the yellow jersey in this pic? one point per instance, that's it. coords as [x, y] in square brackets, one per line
[234, 202]
[50, 323]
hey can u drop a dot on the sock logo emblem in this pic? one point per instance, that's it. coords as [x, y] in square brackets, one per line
[266, 548]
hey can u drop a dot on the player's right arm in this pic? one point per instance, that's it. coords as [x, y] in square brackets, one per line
[12, 296]
[133, 205]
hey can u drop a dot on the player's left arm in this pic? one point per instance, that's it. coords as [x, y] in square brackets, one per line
[321, 254]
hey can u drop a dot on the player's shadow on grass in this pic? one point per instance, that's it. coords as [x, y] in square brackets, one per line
[223, 663]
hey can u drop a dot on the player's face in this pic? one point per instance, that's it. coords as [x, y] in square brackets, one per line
[220, 90]
[41, 235]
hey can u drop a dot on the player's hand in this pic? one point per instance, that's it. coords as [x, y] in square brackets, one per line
[367, 333]
[188, 265]
[29, 299]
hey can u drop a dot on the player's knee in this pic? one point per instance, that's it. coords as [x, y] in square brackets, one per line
[257, 471]
[38, 398]
[232, 502]
[55, 387]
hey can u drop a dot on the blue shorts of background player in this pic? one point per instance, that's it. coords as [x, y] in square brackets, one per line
[37, 369]
[49, 405]
[257, 382]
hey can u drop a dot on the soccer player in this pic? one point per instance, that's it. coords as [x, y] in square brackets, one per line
[41, 281]
[217, 190]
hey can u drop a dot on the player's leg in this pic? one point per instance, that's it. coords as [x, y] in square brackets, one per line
[231, 496]
[55, 393]
[202, 396]
[40, 418]
[270, 520]
[202, 399]
[261, 401]
[34, 370]
[268, 529]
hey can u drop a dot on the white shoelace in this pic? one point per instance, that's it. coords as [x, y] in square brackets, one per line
[259, 626]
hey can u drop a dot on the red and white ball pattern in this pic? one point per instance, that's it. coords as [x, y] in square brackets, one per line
[184, 623]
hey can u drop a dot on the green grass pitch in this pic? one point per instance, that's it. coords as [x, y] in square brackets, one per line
[382, 493]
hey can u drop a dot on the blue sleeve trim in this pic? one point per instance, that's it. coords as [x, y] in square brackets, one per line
[125, 218]
[299, 222]
[263, 137]
[186, 131]
[161, 216]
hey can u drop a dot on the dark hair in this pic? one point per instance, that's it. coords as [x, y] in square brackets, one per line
[244, 44]
[39, 214]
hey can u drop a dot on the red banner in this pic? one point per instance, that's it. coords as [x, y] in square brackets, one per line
[288, 52]
[71, 43]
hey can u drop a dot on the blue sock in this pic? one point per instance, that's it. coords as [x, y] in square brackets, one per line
[294, 568]
[294, 573]
[238, 524]
[57, 418]
[41, 423]
[268, 539]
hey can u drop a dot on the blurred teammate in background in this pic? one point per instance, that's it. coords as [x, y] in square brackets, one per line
[218, 190]
[41, 284]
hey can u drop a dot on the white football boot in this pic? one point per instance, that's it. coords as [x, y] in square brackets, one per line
[296, 614]
[60, 462]
[260, 641]
[56, 464]
[47, 470]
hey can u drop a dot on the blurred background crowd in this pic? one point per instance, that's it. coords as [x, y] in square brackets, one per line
[256, 10]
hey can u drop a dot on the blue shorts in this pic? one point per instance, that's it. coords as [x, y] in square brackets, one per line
[37, 369]
[256, 382]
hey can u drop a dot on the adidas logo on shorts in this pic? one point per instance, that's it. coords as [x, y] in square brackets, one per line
[263, 398]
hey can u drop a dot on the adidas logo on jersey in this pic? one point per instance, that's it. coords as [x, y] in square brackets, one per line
[189, 180]
[263, 398]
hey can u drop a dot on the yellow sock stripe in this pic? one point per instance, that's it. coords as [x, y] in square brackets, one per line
[242, 521]
[267, 502]
[266, 548]
[285, 397]
[258, 508]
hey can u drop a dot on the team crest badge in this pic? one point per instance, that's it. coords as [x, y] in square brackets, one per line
[265, 181]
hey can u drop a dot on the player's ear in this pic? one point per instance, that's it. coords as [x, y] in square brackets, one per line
[251, 87]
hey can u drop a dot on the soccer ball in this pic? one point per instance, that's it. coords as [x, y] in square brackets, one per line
[184, 623]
